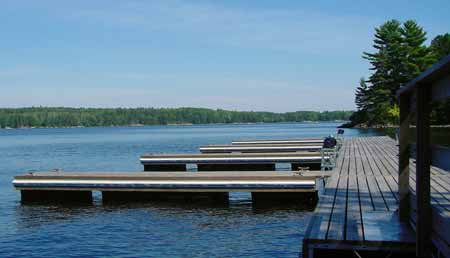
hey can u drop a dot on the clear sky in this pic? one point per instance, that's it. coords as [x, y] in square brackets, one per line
[233, 54]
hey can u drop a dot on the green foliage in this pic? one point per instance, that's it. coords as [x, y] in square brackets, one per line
[66, 117]
[400, 56]
[440, 46]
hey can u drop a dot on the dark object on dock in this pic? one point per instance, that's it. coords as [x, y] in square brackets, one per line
[340, 131]
[329, 142]
[196, 187]
[230, 161]
[279, 141]
[260, 148]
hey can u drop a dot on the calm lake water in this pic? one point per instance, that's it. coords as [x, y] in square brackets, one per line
[141, 230]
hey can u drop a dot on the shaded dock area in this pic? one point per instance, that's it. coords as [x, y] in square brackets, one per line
[358, 208]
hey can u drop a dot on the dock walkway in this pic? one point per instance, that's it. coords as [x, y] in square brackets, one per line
[357, 210]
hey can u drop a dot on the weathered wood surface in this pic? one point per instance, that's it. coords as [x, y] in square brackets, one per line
[168, 181]
[357, 209]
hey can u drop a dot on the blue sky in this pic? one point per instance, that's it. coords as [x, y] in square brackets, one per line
[239, 55]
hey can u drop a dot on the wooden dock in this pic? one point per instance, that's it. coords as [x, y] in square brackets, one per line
[358, 208]
[260, 148]
[265, 186]
[231, 161]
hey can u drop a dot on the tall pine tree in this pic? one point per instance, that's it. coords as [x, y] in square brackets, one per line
[400, 55]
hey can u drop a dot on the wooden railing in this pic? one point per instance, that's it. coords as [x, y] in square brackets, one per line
[416, 97]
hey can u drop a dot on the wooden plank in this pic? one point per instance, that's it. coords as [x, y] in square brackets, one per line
[365, 197]
[388, 195]
[354, 224]
[337, 225]
[377, 199]
[324, 210]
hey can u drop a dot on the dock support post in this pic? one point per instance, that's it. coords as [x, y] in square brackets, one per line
[423, 224]
[45, 196]
[403, 169]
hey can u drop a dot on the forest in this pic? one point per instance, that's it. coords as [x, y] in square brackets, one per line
[400, 55]
[71, 117]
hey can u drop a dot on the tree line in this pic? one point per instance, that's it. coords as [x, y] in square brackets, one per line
[400, 55]
[69, 117]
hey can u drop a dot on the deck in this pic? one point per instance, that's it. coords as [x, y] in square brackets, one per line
[357, 209]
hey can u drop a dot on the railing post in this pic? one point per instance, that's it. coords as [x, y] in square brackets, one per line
[423, 223]
[403, 169]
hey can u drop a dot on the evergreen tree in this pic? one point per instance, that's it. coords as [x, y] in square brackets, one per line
[440, 46]
[400, 55]
[361, 95]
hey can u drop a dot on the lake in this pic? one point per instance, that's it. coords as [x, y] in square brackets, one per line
[141, 230]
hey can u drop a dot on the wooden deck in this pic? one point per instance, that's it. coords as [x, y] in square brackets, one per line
[357, 209]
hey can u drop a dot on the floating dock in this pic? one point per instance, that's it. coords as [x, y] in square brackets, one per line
[279, 141]
[266, 187]
[231, 161]
[260, 148]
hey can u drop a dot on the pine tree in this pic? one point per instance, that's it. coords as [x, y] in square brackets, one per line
[440, 46]
[361, 95]
[416, 56]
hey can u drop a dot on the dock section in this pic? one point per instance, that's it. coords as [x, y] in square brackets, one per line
[279, 141]
[266, 187]
[260, 148]
[231, 161]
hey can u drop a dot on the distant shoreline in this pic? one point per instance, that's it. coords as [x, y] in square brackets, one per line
[63, 117]
[172, 124]
[142, 125]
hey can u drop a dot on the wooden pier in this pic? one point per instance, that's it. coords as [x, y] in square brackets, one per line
[231, 161]
[358, 208]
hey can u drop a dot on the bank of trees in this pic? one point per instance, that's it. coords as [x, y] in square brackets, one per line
[400, 55]
[65, 117]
